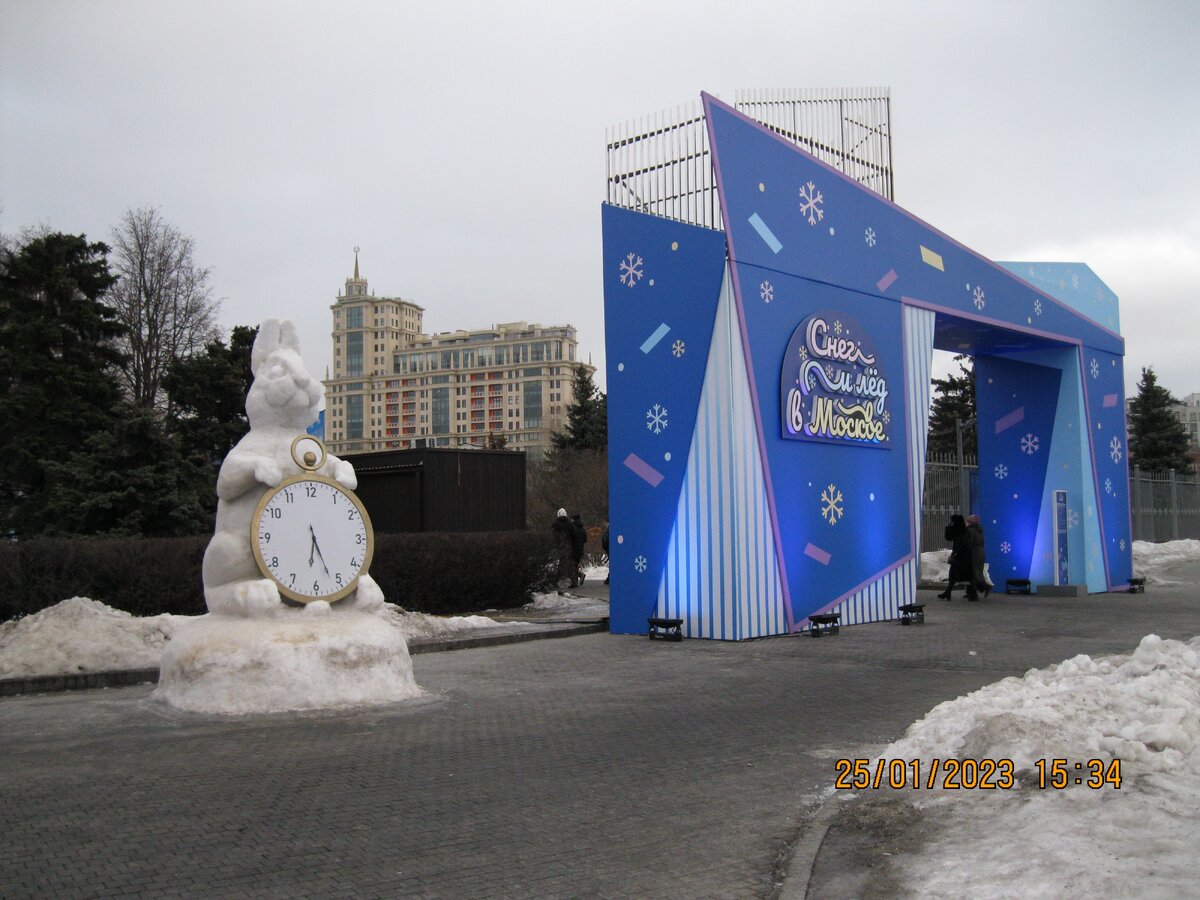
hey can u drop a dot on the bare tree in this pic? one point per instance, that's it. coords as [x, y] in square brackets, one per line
[163, 298]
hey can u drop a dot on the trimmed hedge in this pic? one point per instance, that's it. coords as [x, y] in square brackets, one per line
[424, 572]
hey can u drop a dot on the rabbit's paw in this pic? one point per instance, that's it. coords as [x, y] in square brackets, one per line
[268, 472]
[367, 597]
[253, 598]
[343, 474]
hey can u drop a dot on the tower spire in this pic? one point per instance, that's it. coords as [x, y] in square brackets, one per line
[356, 263]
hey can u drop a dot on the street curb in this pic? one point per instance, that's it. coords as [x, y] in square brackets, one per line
[808, 847]
[48, 684]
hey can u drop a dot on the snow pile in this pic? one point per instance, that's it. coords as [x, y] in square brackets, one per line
[1171, 562]
[294, 659]
[422, 625]
[935, 566]
[82, 635]
[1142, 709]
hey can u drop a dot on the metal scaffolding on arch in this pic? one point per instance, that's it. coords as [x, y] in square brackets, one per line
[660, 163]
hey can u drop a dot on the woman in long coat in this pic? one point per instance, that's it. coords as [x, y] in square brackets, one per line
[961, 557]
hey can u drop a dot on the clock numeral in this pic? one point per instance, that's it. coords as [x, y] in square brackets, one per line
[291, 579]
[316, 587]
[350, 514]
[275, 512]
[287, 495]
[310, 490]
[274, 562]
[359, 538]
[266, 537]
[338, 579]
[354, 563]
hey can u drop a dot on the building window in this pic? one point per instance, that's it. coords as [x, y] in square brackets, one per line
[354, 416]
[354, 353]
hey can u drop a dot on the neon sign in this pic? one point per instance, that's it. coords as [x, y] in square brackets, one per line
[833, 386]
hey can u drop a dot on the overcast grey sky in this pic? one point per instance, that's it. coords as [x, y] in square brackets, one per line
[461, 144]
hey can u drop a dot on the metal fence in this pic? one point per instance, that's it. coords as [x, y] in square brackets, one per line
[1165, 506]
[660, 163]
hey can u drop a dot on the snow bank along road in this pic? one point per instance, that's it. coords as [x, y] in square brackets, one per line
[596, 765]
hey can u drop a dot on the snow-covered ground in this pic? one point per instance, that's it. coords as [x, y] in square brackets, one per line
[1086, 837]
[84, 635]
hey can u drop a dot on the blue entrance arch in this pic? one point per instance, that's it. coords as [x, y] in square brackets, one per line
[769, 393]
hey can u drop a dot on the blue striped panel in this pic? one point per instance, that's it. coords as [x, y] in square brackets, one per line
[721, 575]
[881, 599]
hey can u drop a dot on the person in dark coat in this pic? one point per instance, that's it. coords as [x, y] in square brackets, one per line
[604, 544]
[978, 557]
[961, 569]
[579, 538]
[564, 536]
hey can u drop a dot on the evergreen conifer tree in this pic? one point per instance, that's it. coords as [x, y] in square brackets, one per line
[587, 417]
[1157, 439]
[58, 366]
[953, 398]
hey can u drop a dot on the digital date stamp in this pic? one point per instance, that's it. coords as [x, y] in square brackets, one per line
[972, 774]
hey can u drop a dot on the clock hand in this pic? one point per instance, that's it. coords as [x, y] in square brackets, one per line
[317, 548]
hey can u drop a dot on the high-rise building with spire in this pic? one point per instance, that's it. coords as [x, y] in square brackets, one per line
[394, 387]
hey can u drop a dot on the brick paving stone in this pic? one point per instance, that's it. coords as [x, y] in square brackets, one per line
[597, 765]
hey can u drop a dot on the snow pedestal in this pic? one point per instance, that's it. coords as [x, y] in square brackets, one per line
[308, 659]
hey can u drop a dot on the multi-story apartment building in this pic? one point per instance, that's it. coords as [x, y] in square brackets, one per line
[394, 387]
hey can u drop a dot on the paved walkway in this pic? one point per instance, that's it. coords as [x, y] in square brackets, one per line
[596, 765]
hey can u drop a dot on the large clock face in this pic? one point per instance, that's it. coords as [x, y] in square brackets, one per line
[312, 537]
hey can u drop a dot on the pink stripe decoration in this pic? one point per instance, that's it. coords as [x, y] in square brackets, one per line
[643, 470]
[812, 551]
[1010, 420]
[1110, 400]
[887, 280]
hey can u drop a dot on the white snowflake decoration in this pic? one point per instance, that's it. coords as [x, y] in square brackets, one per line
[810, 203]
[977, 297]
[837, 327]
[678, 349]
[1108, 485]
[656, 418]
[766, 290]
[1037, 306]
[887, 416]
[1005, 547]
[870, 237]
[631, 269]
[1075, 281]
[1114, 450]
[1095, 367]
[640, 563]
[831, 504]
[804, 354]
[829, 371]
[1030, 444]
[1122, 543]
[1001, 471]
[1072, 518]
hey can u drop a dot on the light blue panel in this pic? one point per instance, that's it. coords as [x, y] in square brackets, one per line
[1069, 468]
[721, 574]
[1075, 285]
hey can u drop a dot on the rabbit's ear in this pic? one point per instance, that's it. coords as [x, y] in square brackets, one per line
[288, 339]
[266, 343]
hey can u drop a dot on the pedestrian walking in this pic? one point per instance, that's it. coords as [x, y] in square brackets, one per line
[564, 536]
[961, 569]
[577, 545]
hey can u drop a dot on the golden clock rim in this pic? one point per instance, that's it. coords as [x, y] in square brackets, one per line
[368, 554]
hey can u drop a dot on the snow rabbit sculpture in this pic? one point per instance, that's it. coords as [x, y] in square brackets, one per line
[281, 404]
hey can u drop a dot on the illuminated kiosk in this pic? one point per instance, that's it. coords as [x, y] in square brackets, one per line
[768, 394]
